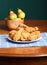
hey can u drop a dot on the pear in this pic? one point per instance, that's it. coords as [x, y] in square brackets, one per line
[21, 14]
[19, 11]
[12, 15]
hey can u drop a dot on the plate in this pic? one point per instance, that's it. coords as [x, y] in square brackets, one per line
[24, 41]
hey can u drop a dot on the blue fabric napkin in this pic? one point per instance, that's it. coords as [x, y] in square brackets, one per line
[5, 43]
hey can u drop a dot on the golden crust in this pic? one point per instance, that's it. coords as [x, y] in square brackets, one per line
[25, 33]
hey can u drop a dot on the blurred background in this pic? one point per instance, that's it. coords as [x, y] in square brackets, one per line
[34, 9]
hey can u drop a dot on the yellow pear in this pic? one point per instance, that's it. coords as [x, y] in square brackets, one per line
[19, 10]
[21, 14]
[12, 15]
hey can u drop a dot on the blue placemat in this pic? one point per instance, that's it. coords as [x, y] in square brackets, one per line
[5, 43]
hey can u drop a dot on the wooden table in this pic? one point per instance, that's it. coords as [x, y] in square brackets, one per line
[12, 54]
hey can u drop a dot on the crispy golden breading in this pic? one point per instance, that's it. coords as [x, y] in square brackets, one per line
[25, 33]
[22, 38]
[18, 35]
[36, 28]
[32, 37]
[12, 33]
[30, 29]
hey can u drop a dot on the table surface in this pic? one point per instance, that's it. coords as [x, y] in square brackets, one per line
[29, 51]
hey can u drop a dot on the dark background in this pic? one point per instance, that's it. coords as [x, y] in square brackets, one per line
[34, 9]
